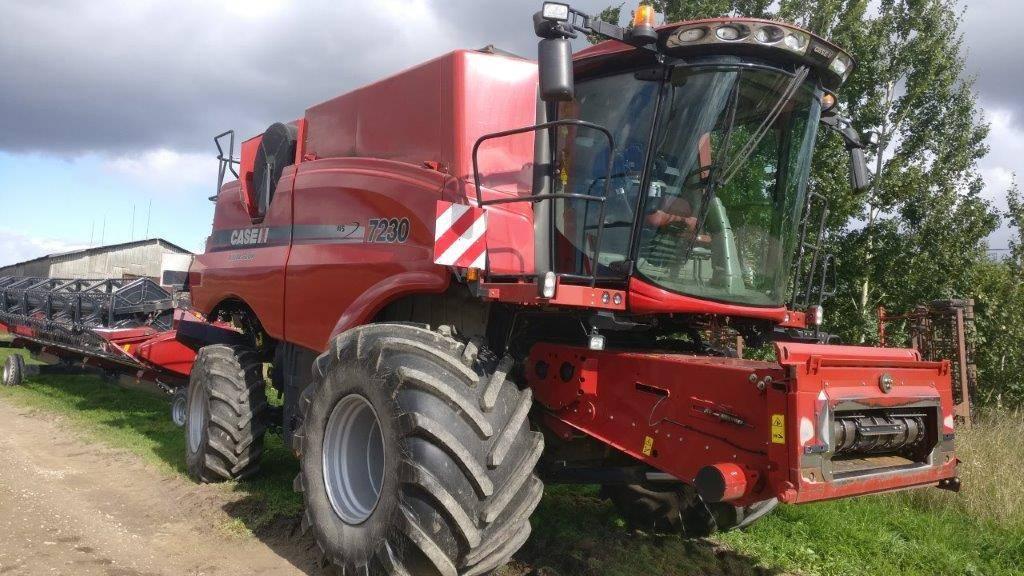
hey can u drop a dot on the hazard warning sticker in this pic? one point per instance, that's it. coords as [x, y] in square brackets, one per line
[648, 445]
[778, 429]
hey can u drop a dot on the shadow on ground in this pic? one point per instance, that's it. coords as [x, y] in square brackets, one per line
[574, 532]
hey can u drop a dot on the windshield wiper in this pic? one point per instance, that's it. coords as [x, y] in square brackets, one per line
[755, 139]
[714, 180]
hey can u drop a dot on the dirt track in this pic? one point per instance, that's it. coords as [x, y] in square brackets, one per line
[77, 508]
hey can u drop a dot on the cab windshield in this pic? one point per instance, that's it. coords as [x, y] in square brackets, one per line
[720, 186]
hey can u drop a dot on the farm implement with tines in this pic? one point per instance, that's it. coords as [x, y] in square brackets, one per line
[486, 273]
[123, 326]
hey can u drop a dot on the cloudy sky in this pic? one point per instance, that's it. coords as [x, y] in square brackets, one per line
[107, 108]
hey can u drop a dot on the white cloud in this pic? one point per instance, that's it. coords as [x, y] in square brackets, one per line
[1004, 161]
[18, 247]
[163, 169]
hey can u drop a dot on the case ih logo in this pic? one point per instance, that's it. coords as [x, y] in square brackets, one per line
[249, 236]
[824, 51]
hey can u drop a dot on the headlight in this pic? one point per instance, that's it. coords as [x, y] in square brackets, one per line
[796, 42]
[840, 65]
[729, 33]
[692, 35]
[555, 11]
[768, 34]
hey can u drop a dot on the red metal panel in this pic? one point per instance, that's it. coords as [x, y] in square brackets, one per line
[492, 93]
[645, 298]
[336, 283]
[163, 351]
[509, 227]
[756, 421]
[252, 273]
[246, 165]
[678, 413]
[794, 353]
[565, 295]
[397, 118]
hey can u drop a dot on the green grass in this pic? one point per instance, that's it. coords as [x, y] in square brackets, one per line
[576, 533]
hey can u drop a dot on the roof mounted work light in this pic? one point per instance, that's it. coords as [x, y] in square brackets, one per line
[555, 11]
[751, 35]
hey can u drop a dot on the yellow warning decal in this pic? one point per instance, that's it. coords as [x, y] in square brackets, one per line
[778, 429]
[648, 445]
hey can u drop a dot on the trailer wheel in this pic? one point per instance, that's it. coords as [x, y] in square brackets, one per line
[14, 370]
[417, 456]
[224, 423]
[179, 407]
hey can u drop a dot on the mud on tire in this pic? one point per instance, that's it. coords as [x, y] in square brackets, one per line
[224, 423]
[456, 485]
[14, 370]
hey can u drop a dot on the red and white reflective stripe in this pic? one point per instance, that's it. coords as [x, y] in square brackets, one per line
[459, 236]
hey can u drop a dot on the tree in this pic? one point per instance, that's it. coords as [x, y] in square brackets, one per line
[998, 291]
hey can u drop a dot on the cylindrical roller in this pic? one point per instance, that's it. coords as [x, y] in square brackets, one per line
[876, 434]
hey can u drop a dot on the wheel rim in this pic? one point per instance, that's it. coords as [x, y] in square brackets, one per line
[179, 409]
[196, 416]
[353, 459]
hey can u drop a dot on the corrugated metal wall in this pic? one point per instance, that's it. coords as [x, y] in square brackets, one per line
[140, 260]
[41, 268]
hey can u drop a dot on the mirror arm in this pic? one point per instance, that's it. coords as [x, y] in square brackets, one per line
[843, 127]
[583, 23]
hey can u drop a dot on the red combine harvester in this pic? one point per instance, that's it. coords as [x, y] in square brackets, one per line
[465, 290]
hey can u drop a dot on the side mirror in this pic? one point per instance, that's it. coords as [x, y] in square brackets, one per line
[554, 62]
[859, 179]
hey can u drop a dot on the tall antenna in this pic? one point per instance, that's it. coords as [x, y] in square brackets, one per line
[92, 230]
[149, 212]
[133, 223]
[104, 232]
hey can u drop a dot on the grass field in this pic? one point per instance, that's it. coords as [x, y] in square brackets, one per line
[977, 532]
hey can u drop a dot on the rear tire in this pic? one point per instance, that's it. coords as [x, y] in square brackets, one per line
[455, 458]
[224, 425]
[14, 370]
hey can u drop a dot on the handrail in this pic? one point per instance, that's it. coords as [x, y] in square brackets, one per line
[225, 162]
[541, 197]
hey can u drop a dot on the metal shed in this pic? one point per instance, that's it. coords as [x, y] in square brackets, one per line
[129, 259]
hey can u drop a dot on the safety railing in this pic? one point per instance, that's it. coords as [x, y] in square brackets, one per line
[535, 198]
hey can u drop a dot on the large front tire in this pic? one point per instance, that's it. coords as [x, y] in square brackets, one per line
[224, 424]
[445, 483]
